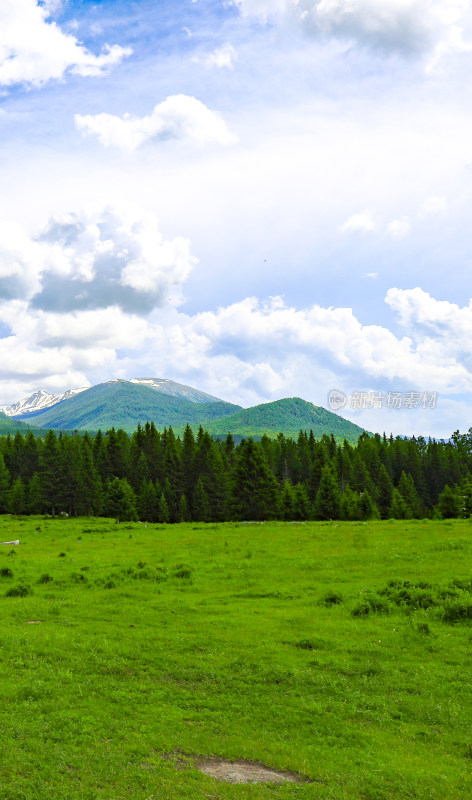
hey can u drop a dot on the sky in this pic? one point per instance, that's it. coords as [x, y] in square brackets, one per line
[258, 198]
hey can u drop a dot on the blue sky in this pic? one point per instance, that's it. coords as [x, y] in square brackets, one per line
[262, 199]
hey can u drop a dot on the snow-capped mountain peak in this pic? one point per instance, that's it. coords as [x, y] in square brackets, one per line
[38, 401]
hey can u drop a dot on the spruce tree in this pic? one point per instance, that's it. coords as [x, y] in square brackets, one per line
[350, 507]
[201, 511]
[287, 501]
[120, 501]
[407, 489]
[255, 491]
[34, 495]
[301, 503]
[328, 500]
[4, 484]
[384, 492]
[448, 505]
[399, 509]
[367, 507]
[147, 502]
[183, 511]
[163, 510]
[51, 473]
[18, 497]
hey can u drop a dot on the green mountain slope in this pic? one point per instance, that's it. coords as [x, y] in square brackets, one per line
[288, 416]
[166, 386]
[12, 426]
[122, 404]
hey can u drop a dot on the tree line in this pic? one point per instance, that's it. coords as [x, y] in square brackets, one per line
[160, 477]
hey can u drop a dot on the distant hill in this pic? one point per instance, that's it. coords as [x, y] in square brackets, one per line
[39, 401]
[288, 416]
[12, 426]
[122, 404]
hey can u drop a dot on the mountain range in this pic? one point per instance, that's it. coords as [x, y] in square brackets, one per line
[124, 404]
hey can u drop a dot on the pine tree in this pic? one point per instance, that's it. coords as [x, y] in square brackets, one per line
[148, 503]
[327, 501]
[399, 509]
[350, 506]
[384, 493]
[301, 503]
[18, 497]
[34, 495]
[90, 491]
[120, 501]
[183, 512]
[188, 462]
[287, 501]
[162, 510]
[51, 474]
[255, 490]
[448, 505]
[368, 509]
[4, 484]
[201, 504]
[407, 489]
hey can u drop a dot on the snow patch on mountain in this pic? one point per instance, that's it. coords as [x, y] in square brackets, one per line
[174, 389]
[38, 401]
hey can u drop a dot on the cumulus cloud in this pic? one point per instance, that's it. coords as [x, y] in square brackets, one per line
[224, 56]
[34, 49]
[442, 330]
[399, 26]
[113, 258]
[332, 342]
[432, 206]
[177, 117]
[398, 228]
[362, 222]
[248, 352]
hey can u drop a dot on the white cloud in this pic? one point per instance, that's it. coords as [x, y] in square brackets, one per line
[433, 205]
[34, 49]
[112, 258]
[398, 228]
[362, 223]
[372, 275]
[224, 56]
[177, 117]
[402, 26]
[251, 351]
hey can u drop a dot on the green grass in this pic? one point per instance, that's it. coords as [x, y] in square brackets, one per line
[239, 641]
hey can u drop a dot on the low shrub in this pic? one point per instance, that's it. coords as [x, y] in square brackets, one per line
[457, 611]
[183, 573]
[332, 599]
[306, 644]
[18, 591]
[6, 572]
[371, 604]
[45, 578]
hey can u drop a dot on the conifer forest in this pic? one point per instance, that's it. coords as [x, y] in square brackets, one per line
[155, 476]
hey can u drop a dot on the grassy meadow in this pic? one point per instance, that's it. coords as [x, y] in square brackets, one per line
[341, 651]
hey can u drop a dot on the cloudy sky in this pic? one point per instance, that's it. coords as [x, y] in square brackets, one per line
[259, 198]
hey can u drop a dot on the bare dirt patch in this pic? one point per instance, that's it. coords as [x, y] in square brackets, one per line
[241, 771]
[245, 772]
